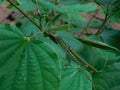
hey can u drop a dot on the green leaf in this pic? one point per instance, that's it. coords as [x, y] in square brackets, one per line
[61, 27]
[74, 78]
[98, 44]
[108, 79]
[98, 58]
[72, 1]
[115, 17]
[49, 5]
[73, 11]
[27, 6]
[22, 1]
[26, 64]
[28, 28]
[77, 8]
[104, 2]
[10, 46]
[111, 37]
[1, 1]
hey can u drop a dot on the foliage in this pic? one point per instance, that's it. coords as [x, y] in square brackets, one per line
[50, 46]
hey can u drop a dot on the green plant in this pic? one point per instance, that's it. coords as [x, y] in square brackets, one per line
[45, 50]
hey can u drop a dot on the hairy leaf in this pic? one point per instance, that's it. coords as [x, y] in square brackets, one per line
[75, 79]
[108, 79]
[26, 64]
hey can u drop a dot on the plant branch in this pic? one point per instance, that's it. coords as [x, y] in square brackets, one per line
[73, 53]
[83, 61]
[101, 29]
[89, 22]
[97, 17]
[107, 17]
[56, 39]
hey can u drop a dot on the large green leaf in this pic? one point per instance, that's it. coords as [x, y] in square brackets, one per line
[107, 63]
[98, 44]
[74, 78]
[26, 64]
[97, 57]
[77, 8]
[108, 79]
[10, 42]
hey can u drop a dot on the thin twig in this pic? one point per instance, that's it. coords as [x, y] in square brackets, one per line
[93, 16]
[98, 18]
[101, 29]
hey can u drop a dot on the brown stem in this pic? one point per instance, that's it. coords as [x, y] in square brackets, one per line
[101, 29]
[89, 22]
[98, 18]
[106, 19]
